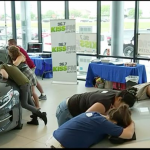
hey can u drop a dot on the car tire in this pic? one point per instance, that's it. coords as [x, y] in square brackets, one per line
[20, 125]
[128, 50]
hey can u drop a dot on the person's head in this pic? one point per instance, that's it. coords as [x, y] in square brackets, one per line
[14, 52]
[12, 42]
[121, 115]
[127, 96]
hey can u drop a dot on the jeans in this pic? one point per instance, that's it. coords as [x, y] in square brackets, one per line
[62, 113]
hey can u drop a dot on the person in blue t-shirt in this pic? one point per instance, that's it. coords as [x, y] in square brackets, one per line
[89, 128]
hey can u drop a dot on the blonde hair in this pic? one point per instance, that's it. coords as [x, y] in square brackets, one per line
[14, 52]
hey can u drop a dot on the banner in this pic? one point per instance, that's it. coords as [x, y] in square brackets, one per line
[144, 44]
[86, 42]
[63, 47]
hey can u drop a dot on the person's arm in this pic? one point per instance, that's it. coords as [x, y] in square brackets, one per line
[128, 131]
[97, 107]
[4, 73]
[19, 60]
[112, 129]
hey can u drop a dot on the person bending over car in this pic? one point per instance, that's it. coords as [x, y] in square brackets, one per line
[31, 66]
[19, 60]
[99, 101]
[12, 72]
[89, 128]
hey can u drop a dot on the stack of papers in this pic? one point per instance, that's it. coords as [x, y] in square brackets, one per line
[117, 63]
[96, 60]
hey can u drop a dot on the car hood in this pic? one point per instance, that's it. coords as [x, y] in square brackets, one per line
[5, 87]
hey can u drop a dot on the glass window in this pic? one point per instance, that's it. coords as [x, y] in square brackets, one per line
[109, 25]
[26, 22]
[144, 27]
[5, 22]
[144, 19]
[85, 32]
[85, 24]
[50, 10]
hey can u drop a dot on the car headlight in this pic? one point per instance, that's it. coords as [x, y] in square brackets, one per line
[6, 99]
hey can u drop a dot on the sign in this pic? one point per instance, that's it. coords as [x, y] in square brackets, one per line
[86, 42]
[63, 47]
[144, 44]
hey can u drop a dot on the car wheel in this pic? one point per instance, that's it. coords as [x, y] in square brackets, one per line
[128, 50]
[19, 126]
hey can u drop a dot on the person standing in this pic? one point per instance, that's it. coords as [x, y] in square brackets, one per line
[31, 66]
[18, 59]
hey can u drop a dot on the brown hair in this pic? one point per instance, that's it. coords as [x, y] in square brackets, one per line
[14, 52]
[122, 115]
[12, 41]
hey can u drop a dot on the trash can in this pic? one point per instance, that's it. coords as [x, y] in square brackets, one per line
[131, 81]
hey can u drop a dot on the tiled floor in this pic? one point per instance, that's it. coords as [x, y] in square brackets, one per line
[35, 136]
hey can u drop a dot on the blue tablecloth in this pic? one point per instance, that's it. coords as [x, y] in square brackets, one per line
[114, 73]
[42, 65]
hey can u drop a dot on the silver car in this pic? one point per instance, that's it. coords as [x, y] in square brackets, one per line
[10, 107]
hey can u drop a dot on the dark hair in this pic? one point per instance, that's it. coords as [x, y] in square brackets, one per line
[12, 41]
[121, 115]
[128, 96]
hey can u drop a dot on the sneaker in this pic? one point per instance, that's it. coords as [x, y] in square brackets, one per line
[42, 97]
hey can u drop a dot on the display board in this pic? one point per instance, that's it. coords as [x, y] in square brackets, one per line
[86, 42]
[144, 44]
[63, 47]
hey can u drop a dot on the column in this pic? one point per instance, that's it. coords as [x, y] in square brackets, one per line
[117, 28]
[25, 23]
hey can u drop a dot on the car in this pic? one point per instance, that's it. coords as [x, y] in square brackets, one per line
[10, 107]
[7, 31]
[2, 28]
[3, 39]
[34, 33]
[104, 20]
[109, 40]
[128, 46]
[19, 33]
[46, 20]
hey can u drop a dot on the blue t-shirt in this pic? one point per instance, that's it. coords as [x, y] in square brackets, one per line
[85, 130]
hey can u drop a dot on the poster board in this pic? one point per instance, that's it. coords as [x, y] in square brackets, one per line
[86, 42]
[144, 44]
[63, 48]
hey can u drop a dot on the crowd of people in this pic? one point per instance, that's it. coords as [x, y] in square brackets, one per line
[83, 119]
